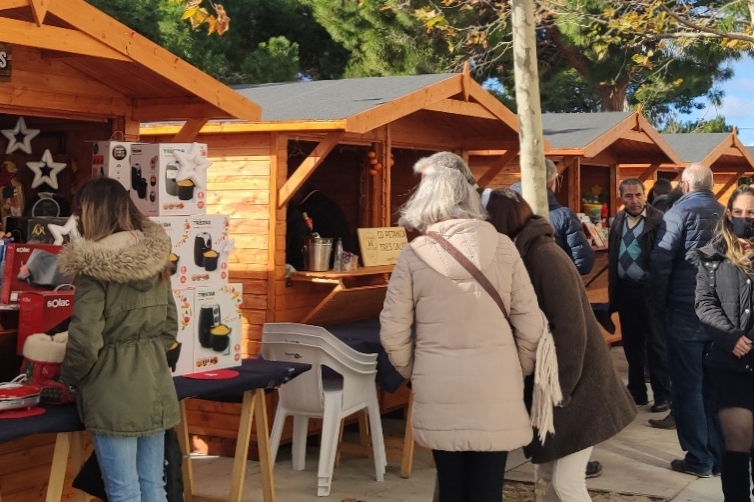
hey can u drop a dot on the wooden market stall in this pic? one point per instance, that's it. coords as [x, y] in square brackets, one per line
[322, 132]
[724, 153]
[77, 75]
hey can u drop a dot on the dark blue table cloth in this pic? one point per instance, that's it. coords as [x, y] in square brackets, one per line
[252, 374]
[364, 336]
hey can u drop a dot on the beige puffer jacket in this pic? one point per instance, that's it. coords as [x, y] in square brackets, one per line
[465, 364]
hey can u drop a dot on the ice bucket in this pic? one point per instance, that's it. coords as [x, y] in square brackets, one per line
[317, 253]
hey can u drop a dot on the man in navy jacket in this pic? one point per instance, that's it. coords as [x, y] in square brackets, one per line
[689, 224]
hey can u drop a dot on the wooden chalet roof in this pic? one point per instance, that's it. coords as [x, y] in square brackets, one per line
[71, 59]
[720, 151]
[611, 137]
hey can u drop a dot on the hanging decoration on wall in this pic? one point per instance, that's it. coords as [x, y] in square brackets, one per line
[51, 168]
[12, 135]
[191, 165]
[70, 229]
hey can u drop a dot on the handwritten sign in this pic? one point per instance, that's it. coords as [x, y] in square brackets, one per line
[381, 246]
[6, 57]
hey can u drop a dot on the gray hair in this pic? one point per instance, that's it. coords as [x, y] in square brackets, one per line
[439, 160]
[551, 172]
[698, 176]
[444, 194]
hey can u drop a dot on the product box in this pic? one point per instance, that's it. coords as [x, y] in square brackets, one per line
[43, 312]
[217, 329]
[169, 178]
[31, 267]
[36, 230]
[211, 246]
[184, 303]
[178, 229]
[112, 159]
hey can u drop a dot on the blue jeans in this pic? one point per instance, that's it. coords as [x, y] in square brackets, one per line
[132, 467]
[695, 417]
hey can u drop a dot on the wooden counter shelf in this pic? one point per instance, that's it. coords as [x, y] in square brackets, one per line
[331, 276]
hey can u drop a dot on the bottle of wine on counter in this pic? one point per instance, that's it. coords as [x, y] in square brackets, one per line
[309, 226]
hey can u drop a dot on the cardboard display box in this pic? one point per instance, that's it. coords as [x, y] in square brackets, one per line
[112, 159]
[30, 267]
[178, 229]
[184, 303]
[43, 312]
[156, 185]
[217, 314]
[33, 230]
[210, 242]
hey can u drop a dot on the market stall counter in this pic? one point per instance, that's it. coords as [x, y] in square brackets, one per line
[254, 377]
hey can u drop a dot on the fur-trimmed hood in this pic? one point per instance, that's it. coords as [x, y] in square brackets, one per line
[712, 252]
[123, 257]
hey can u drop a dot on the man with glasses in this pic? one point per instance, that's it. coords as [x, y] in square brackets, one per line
[689, 224]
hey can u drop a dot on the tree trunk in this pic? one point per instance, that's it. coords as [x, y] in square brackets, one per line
[613, 97]
[533, 183]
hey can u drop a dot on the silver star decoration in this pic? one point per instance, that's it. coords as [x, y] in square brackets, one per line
[225, 246]
[52, 178]
[12, 135]
[192, 165]
[71, 229]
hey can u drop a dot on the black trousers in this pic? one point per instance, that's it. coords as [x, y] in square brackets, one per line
[470, 476]
[643, 343]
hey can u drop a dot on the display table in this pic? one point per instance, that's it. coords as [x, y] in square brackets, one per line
[255, 376]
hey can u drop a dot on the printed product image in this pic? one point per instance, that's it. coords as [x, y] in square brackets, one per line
[218, 327]
[112, 159]
[212, 246]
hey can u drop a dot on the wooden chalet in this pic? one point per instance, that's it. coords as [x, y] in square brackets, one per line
[321, 132]
[78, 75]
[724, 153]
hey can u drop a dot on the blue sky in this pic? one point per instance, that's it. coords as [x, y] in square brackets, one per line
[738, 103]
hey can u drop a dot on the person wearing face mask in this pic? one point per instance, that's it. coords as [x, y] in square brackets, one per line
[724, 303]
[631, 239]
[688, 225]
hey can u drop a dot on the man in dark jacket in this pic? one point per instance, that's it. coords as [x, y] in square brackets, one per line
[631, 239]
[569, 233]
[688, 225]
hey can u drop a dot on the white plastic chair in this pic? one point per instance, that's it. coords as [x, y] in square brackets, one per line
[311, 395]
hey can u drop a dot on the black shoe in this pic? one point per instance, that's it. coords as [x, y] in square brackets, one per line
[660, 406]
[641, 401]
[679, 465]
[593, 469]
[664, 423]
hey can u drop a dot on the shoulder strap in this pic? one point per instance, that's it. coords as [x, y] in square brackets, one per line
[472, 269]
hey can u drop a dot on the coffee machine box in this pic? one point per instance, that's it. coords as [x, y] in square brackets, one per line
[209, 237]
[178, 229]
[31, 267]
[34, 230]
[112, 159]
[218, 327]
[184, 303]
[159, 187]
[43, 312]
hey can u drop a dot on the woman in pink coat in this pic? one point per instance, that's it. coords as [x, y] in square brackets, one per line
[466, 362]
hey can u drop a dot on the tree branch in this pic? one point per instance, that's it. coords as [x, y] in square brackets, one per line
[574, 57]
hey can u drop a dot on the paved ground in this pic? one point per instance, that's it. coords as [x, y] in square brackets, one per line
[635, 470]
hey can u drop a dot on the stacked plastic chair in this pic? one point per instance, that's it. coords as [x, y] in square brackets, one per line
[348, 387]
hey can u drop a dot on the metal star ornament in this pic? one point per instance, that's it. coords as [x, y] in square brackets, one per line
[225, 246]
[70, 229]
[12, 135]
[46, 162]
[192, 165]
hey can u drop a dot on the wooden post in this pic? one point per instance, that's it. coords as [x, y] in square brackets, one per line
[189, 131]
[614, 189]
[387, 175]
[574, 183]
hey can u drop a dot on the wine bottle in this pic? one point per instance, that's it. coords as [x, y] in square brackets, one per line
[309, 226]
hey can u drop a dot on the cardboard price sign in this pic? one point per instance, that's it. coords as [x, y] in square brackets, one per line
[6, 62]
[381, 246]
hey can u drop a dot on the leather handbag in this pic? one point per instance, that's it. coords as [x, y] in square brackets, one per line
[547, 391]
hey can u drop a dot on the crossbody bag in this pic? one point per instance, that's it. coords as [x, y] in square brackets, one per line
[547, 393]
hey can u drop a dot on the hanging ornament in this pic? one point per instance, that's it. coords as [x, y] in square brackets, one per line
[70, 229]
[12, 135]
[192, 165]
[51, 168]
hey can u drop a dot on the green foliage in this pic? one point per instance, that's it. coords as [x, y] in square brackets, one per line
[718, 124]
[273, 61]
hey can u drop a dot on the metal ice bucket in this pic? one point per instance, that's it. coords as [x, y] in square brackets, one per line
[317, 252]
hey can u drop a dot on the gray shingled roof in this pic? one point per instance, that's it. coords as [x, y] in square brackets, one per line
[577, 130]
[332, 99]
[694, 147]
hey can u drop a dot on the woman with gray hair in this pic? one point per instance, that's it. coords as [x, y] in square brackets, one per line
[466, 361]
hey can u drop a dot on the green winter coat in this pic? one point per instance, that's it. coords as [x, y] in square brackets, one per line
[124, 320]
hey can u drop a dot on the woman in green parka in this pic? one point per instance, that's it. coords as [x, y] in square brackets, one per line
[124, 321]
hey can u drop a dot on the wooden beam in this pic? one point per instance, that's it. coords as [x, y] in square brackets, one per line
[39, 8]
[614, 189]
[496, 167]
[17, 32]
[405, 105]
[487, 100]
[184, 108]
[466, 82]
[109, 32]
[574, 183]
[307, 167]
[457, 107]
[21, 96]
[733, 179]
[649, 172]
[639, 137]
[609, 137]
[718, 151]
[189, 131]
[13, 4]
[240, 127]
[387, 177]
[662, 145]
